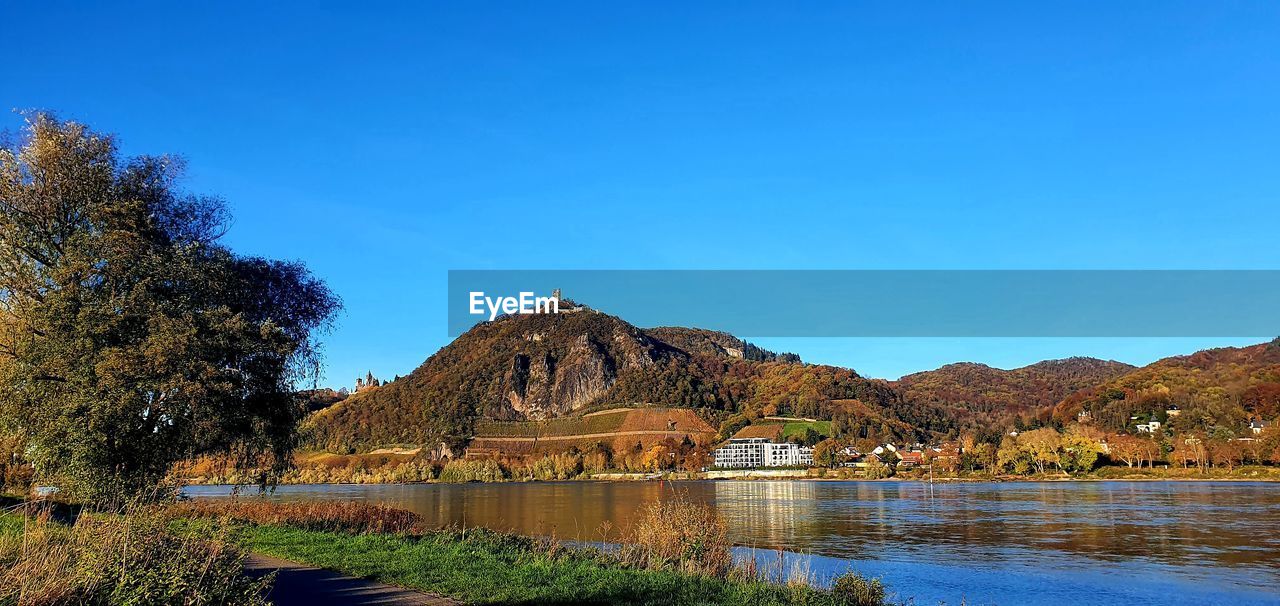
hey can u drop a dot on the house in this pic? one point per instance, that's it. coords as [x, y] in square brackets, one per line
[911, 459]
[1257, 425]
[1149, 427]
[1084, 416]
[886, 450]
[1172, 411]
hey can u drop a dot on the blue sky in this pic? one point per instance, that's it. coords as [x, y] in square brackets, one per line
[387, 145]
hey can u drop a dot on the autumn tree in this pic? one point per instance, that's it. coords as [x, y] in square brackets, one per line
[1262, 400]
[133, 338]
[1013, 456]
[1127, 449]
[1079, 452]
[1045, 447]
[826, 453]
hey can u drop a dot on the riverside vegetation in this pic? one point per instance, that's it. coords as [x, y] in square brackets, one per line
[118, 559]
[192, 553]
[675, 553]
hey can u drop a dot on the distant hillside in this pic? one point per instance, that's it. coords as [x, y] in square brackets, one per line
[1222, 387]
[532, 367]
[699, 341]
[977, 393]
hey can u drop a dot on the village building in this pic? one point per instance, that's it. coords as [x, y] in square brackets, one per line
[910, 459]
[1149, 427]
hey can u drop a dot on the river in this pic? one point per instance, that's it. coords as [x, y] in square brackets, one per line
[1040, 544]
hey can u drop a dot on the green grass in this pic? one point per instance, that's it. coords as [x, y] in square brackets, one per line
[483, 567]
[796, 428]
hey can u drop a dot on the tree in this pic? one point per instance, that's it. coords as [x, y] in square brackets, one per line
[1262, 400]
[1226, 453]
[1127, 449]
[876, 468]
[1013, 456]
[133, 339]
[1044, 445]
[1079, 452]
[808, 437]
[826, 453]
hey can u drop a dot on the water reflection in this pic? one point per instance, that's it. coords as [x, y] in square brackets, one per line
[1217, 537]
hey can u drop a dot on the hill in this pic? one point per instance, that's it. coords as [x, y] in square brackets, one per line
[979, 394]
[539, 367]
[1215, 388]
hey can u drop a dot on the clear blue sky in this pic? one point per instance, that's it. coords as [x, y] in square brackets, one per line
[387, 144]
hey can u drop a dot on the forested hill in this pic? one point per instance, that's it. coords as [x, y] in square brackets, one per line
[979, 394]
[1215, 389]
[545, 366]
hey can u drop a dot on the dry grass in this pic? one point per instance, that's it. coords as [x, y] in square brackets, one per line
[327, 516]
[118, 559]
[680, 535]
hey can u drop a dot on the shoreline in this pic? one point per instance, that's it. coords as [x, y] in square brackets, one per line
[747, 476]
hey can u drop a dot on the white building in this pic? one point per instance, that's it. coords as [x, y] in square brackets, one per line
[760, 452]
[1151, 427]
[741, 452]
[787, 455]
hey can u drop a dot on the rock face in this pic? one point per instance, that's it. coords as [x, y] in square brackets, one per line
[545, 386]
[573, 366]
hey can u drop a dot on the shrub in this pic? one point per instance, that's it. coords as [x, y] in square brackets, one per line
[853, 589]
[129, 559]
[678, 534]
[459, 470]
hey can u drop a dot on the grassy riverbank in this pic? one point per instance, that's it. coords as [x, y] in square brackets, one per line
[677, 554]
[687, 562]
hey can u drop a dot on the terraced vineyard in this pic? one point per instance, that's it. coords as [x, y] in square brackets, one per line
[619, 428]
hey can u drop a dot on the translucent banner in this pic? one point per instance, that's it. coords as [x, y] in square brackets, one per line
[890, 303]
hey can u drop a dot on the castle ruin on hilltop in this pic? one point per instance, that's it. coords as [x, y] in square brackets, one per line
[368, 382]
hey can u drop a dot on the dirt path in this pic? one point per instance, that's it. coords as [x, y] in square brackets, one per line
[302, 585]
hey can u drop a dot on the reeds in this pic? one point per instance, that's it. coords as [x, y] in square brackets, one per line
[119, 559]
[680, 535]
[326, 516]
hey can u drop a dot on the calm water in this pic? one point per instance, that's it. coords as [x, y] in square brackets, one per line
[1026, 543]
